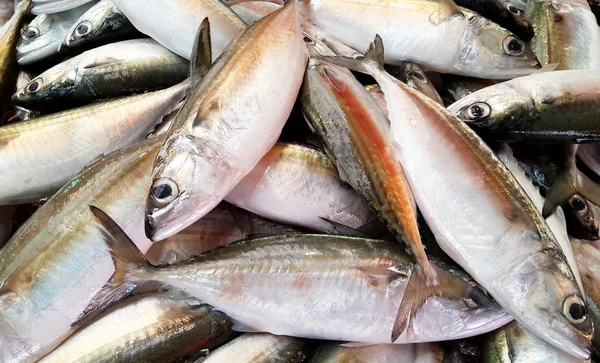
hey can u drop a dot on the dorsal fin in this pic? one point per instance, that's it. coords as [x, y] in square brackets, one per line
[201, 59]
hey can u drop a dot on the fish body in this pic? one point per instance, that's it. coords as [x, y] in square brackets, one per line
[102, 22]
[44, 35]
[291, 174]
[252, 11]
[261, 348]
[334, 352]
[113, 70]
[55, 6]
[503, 12]
[45, 152]
[146, 328]
[566, 34]
[232, 117]
[554, 106]
[435, 34]
[173, 23]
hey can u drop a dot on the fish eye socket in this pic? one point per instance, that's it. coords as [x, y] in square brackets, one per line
[478, 111]
[84, 28]
[420, 76]
[31, 32]
[307, 40]
[34, 85]
[164, 191]
[513, 46]
[513, 9]
[578, 204]
[574, 309]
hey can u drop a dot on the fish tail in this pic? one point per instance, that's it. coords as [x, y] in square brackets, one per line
[373, 59]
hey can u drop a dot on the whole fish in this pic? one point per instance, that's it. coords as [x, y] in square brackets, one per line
[102, 22]
[503, 12]
[44, 152]
[173, 23]
[44, 34]
[513, 343]
[506, 239]
[146, 328]
[233, 116]
[553, 106]
[566, 34]
[112, 70]
[261, 348]
[438, 35]
[252, 11]
[55, 6]
[6, 223]
[460, 87]
[291, 174]
[334, 352]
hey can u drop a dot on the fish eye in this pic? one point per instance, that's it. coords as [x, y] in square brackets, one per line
[479, 111]
[164, 191]
[420, 76]
[578, 204]
[513, 46]
[34, 85]
[31, 32]
[513, 9]
[574, 309]
[83, 29]
[307, 40]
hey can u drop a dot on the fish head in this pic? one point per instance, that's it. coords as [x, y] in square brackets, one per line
[38, 40]
[92, 24]
[58, 81]
[498, 53]
[184, 187]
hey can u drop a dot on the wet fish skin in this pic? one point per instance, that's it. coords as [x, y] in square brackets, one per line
[44, 34]
[252, 11]
[182, 17]
[261, 348]
[242, 102]
[146, 328]
[470, 45]
[334, 352]
[45, 152]
[113, 70]
[559, 106]
[55, 6]
[503, 12]
[102, 22]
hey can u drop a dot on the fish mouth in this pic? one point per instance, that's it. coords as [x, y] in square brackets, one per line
[39, 53]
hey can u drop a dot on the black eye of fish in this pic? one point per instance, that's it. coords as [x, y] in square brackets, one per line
[513, 46]
[574, 309]
[164, 191]
[307, 40]
[30, 33]
[513, 9]
[83, 28]
[33, 86]
[419, 76]
[478, 111]
[577, 204]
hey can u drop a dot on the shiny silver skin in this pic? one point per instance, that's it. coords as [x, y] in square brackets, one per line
[335, 352]
[55, 6]
[252, 11]
[103, 21]
[261, 348]
[113, 70]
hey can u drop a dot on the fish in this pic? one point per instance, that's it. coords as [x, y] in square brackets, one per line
[290, 174]
[559, 106]
[506, 240]
[437, 35]
[334, 352]
[113, 70]
[252, 11]
[232, 117]
[513, 343]
[45, 152]
[503, 12]
[102, 22]
[42, 37]
[166, 18]
[460, 87]
[146, 328]
[9, 35]
[411, 74]
[55, 6]
[261, 348]
[287, 273]
[6, 223]
[566, 34]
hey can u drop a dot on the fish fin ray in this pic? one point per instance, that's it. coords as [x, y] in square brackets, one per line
[373, 58]
[108, 295]
[201, 60]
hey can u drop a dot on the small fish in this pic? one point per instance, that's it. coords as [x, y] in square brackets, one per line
[261, 348]
[173, 23]
[335, 352]
[101, 23]
[233, 116]
[559, 106]
[503, 12]
[113, 70]
[55, 6]
[438, 35]
[44, 35]
[146, 328]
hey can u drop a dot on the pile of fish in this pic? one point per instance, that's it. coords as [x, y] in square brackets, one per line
[229, 181]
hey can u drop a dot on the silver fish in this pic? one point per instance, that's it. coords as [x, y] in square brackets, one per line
[261, 348]
[55, 6]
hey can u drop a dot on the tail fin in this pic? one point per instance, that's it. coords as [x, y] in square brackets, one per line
[127, 259]
[373, 58]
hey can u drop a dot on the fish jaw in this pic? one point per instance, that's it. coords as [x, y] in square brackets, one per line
[40, 48]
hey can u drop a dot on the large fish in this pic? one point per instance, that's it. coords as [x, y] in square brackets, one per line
[261, 348]
[102, 22]
[436, 34]
[482, 218]
[44, 35]
[55, 6]
[44, 152]
[503, 12]
[232, 117]
[112, 70]
[173, 23]
[566, 34]
[334, 352]
[146, 328]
